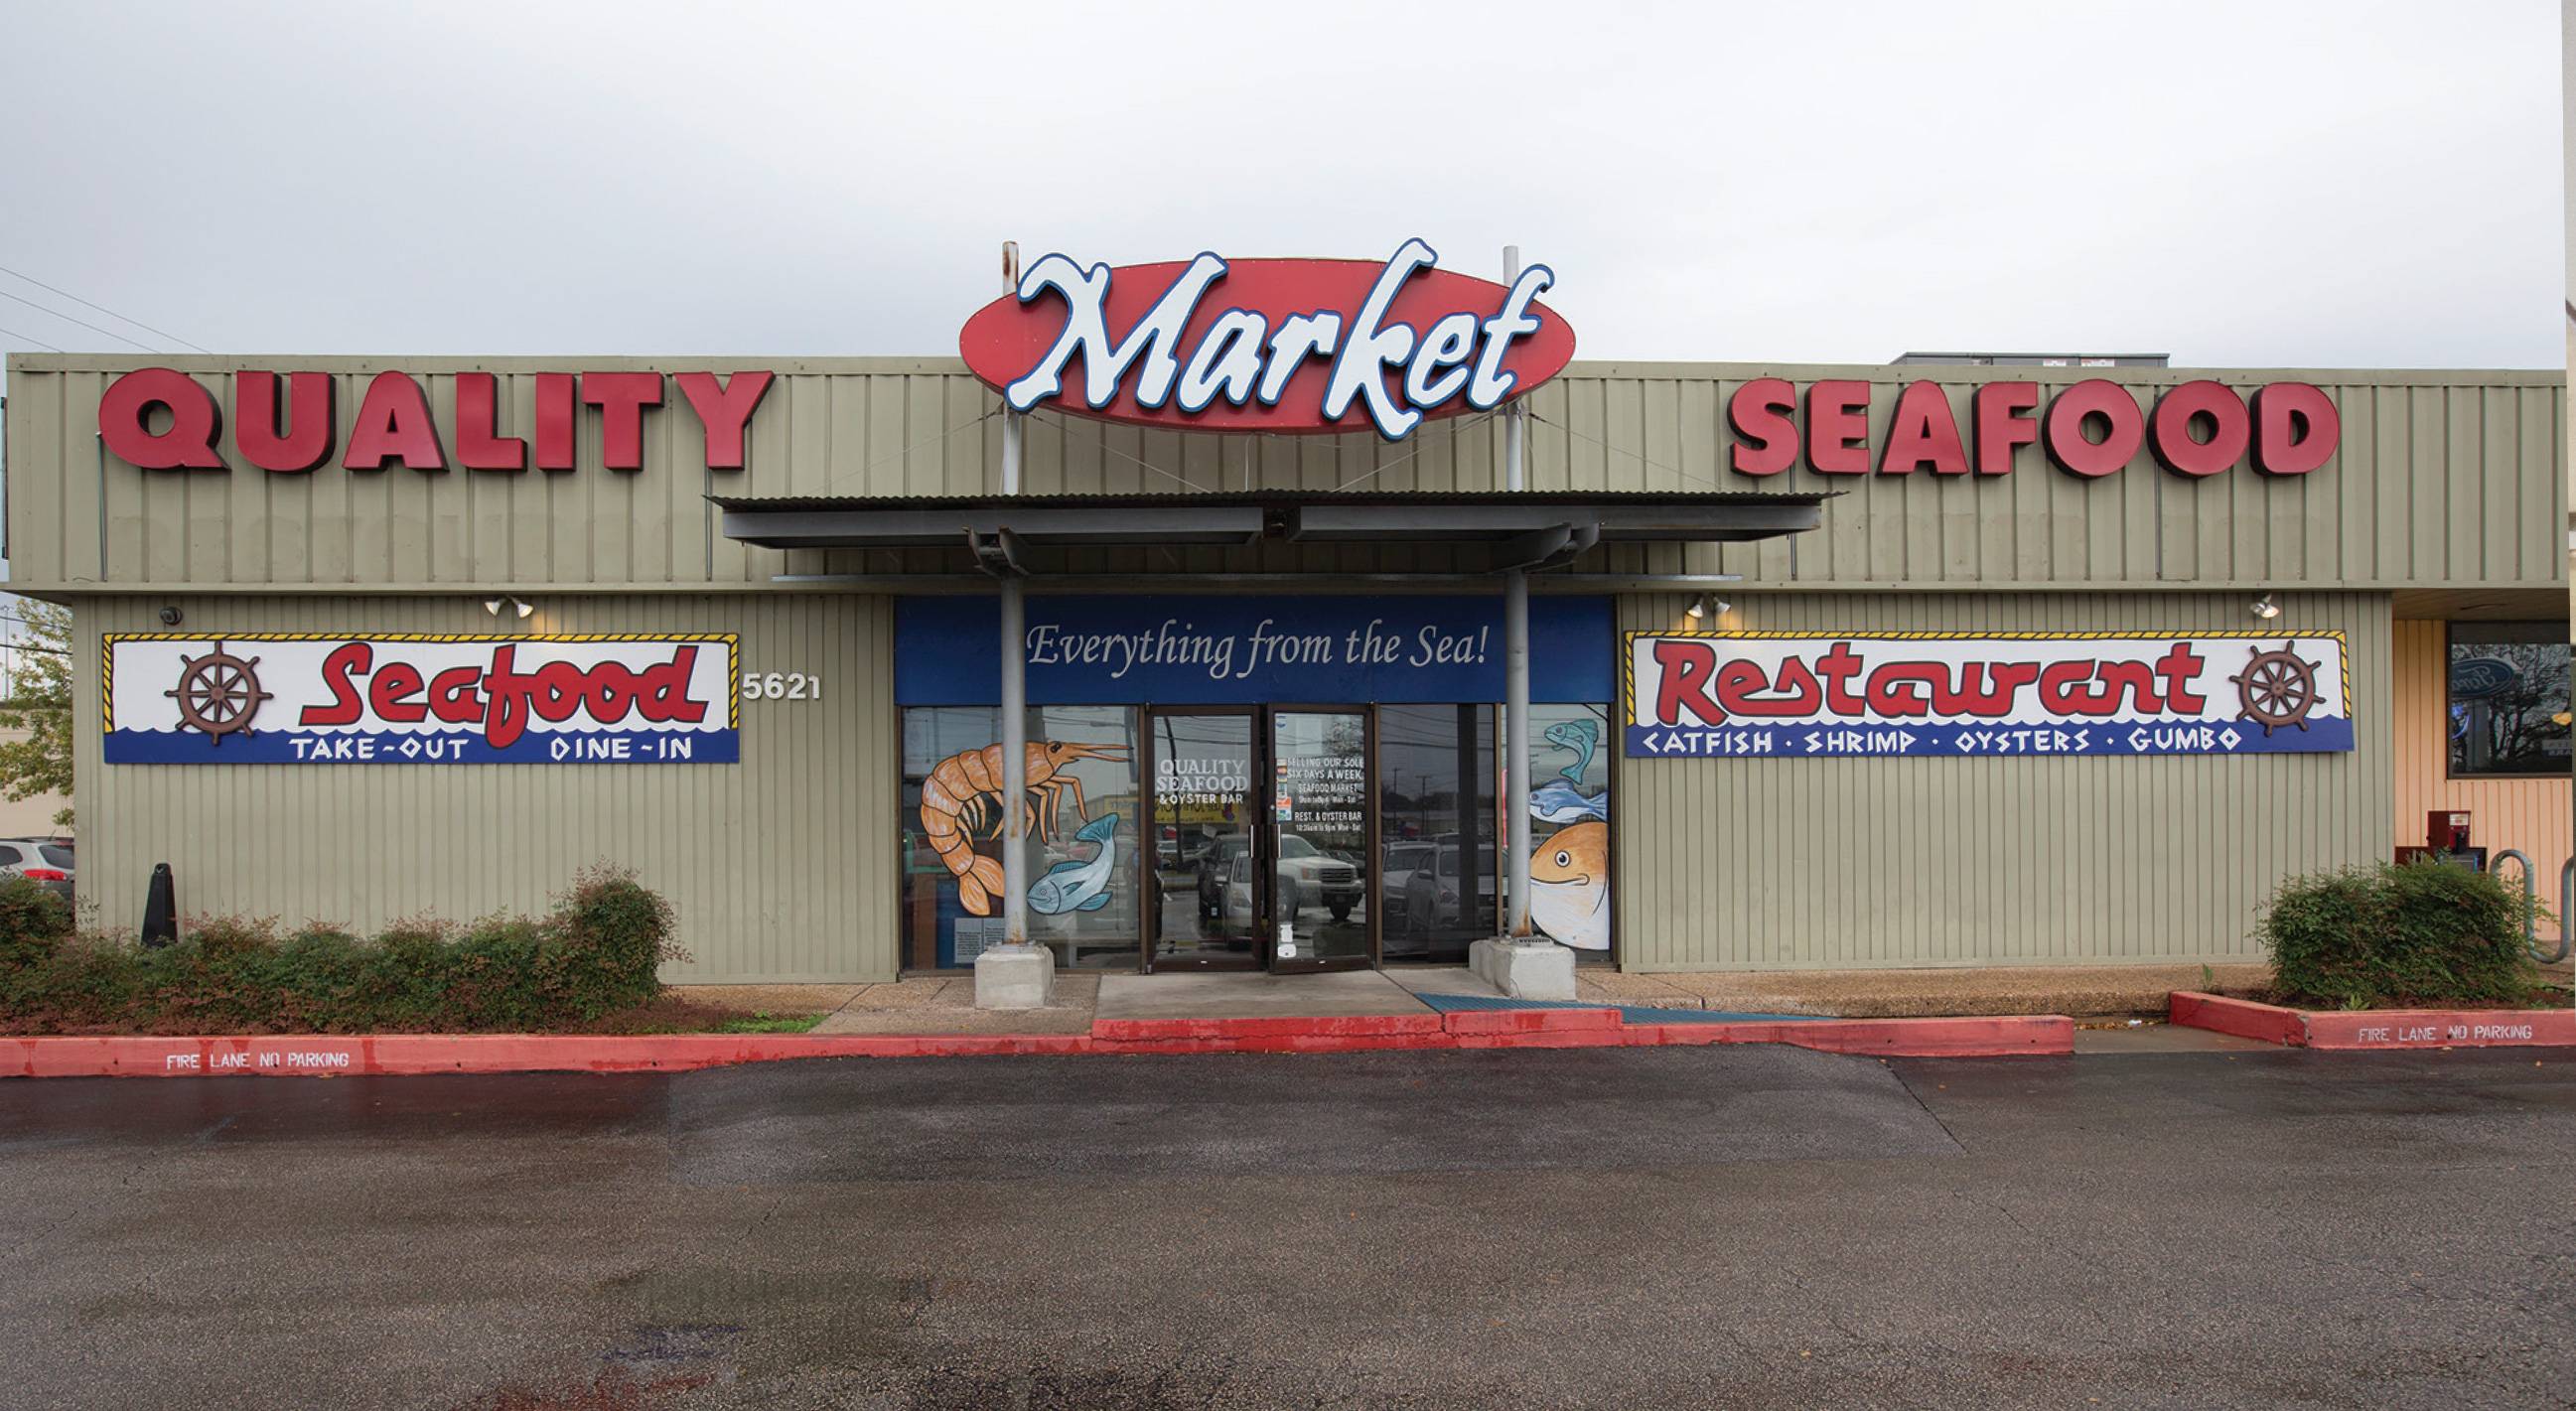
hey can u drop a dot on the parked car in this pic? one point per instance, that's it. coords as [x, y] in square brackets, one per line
[1216, 866]
[1396, 864]
[1320, 878]
[44, 861]
[1433, 893]
[1307, 877]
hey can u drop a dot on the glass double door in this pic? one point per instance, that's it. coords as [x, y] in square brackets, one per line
[1262, 835]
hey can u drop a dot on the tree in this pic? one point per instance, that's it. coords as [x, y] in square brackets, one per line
[39, 703]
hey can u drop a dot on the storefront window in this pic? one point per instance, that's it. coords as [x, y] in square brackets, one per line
[1436, 816]
[2508, 699]
[1082, 844]
[1570, 825]
[1435, 877]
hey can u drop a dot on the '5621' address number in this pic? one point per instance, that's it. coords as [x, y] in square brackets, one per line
[781, 686]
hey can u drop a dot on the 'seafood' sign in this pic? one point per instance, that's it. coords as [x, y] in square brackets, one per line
[299, 698]
[1801, 695]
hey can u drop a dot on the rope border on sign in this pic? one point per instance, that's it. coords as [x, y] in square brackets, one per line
[107, 652]
[1628, 647]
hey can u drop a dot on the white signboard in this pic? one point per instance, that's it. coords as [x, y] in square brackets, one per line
[1906, 694]
[302, 698]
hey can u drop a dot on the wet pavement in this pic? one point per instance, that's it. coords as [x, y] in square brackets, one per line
[1613, 1228]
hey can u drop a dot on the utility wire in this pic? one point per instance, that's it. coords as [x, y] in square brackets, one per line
[1148, 465]
[39, 342]
[1642, 457]
[906, 452]
[1410, 454]
[67, 318]
[102, 308]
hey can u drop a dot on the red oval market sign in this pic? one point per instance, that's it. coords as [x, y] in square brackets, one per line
[1267, 345]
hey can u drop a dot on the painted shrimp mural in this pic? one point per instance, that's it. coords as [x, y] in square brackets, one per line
[961, 800]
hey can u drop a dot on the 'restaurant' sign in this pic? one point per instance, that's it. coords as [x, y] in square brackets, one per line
[294, 698]
[1267, 345]
[1766, 694]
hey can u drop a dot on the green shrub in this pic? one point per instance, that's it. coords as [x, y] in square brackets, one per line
[597, 952]
[2423, 933]
[33, 922]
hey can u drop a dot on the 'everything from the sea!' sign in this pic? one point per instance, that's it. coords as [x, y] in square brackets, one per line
[296, 698]
[1765, 694]
[1220, 649]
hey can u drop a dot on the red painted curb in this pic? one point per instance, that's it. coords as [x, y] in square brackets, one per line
[2365, 1029]
[1373, 1025]
[1528, 1021]
[2244, 1018]
[2441, 1028]
[298, 1056]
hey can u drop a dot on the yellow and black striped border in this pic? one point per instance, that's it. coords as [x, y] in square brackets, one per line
[107, 652]
[1628, 647]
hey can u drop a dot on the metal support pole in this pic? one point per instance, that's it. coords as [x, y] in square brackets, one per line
[1516, 713]
[1015, 765]
[1015, 692]
[1514, 429]
[1015, 974]
[1516, 671]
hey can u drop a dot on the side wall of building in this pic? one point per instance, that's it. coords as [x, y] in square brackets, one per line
[1741, 864]
[2531, 815]
[781, 868]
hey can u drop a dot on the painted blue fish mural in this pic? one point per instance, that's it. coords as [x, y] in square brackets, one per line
[1559, 802]
[1080, 884]
[1581, 736]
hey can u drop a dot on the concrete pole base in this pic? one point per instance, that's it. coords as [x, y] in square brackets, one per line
[1015, 977]
[1524, 969]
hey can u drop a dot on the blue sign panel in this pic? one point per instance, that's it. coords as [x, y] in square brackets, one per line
[1227, 650]
[420, 698]
[1791, 695]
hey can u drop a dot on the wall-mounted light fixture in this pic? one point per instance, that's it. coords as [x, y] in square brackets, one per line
[1703, 605]
[171, 616]
[2265, 608]
[520, 606]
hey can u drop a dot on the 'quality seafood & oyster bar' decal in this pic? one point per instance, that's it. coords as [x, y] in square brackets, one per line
[1758, 694]
[301, 698]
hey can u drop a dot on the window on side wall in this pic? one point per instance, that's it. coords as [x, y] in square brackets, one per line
[2506, 689]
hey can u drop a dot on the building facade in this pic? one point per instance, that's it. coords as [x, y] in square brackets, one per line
[268, 573]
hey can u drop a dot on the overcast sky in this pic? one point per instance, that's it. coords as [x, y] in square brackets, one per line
[2270, 183]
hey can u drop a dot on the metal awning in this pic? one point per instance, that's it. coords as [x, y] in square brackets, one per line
[1538, 529]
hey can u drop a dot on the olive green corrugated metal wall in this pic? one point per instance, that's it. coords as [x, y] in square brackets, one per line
[2443, 479]
[1859, 863]
[781, 867]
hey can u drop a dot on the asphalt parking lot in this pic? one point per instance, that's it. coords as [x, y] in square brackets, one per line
[1612, 1228]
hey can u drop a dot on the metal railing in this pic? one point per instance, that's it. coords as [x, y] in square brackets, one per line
[2546, 952]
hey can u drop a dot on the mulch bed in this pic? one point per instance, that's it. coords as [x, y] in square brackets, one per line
[667, 1015]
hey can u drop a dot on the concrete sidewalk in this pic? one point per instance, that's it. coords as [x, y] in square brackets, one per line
[945, 1004]
[2078, 991]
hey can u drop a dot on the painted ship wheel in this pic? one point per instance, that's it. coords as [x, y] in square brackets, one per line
[218, 693]
[2276, 689]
